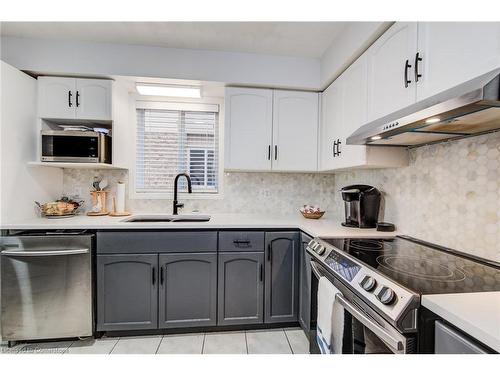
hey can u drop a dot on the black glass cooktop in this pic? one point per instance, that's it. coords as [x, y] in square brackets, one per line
[422, 268]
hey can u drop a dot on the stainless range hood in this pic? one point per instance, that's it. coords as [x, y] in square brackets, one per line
[468, 109]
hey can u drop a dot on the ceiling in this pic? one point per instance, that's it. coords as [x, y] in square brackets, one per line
[301, 39]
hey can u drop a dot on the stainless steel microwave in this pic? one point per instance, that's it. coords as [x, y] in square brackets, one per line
[75, 146]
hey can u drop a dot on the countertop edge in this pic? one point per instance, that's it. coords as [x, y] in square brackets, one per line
[315, 228]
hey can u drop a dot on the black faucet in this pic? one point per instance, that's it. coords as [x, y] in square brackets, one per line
[176, 204]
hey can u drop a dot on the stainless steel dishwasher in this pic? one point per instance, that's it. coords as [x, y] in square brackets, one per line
[46, 286]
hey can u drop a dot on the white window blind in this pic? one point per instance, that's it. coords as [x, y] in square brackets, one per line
[176, 141]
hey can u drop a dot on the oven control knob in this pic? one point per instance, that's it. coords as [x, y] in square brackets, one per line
[386, 295]
[368, 283]
[320, 250]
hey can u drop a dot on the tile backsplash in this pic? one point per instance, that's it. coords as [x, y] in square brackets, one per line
[449, 194]
[272, 194]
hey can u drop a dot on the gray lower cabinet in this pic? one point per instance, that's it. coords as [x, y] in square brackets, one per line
[305, 285]
[281, 277]
[241, 288]
[188, 290]
[127, 292]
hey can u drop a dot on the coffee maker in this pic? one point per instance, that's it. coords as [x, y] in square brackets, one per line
[362, 204]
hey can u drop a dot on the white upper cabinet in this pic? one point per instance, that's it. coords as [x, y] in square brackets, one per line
[248, 130]
[455, 52]
[56, 97]
[74, 98]
[295, 131]
[330, 127]
[93, 99]
[271, 130]
[344, 109]
[390, 76]
[353, 113]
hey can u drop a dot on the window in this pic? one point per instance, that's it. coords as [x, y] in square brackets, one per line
[171, 141]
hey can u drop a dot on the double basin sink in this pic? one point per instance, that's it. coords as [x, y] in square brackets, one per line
[161, 218]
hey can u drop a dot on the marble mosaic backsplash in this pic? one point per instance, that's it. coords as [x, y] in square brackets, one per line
[449, 194]
[273, 194]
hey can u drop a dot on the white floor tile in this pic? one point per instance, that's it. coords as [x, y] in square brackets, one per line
[137, 345]
[225, 343]
[267, 342]
[181, 344]
[4, 349]
[91, 346]
[56, 347]
[298, 340]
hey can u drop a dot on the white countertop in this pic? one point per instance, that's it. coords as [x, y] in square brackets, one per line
[477, 314]
[316, 228]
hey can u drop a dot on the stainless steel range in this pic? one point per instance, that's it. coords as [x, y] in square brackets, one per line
[381, 282]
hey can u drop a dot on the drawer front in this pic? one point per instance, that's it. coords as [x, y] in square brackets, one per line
[156, 242]
[241, 241]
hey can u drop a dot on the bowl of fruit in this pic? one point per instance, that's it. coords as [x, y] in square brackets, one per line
[64, 207]
[311, 212]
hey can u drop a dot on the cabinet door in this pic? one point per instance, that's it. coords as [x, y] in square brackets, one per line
[282, 277]
[295, 131]
[93, 99]
[455, 52]
[241, 288]
[56, 97]
[127, 292]
[188, 290]
[331, 126]
[353, 113]
[387, 91]
[305, 286]
[248, 130]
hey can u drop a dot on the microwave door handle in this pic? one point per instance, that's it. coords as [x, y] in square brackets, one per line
[394, 342]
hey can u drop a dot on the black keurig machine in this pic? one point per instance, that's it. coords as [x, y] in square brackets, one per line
[362, 204]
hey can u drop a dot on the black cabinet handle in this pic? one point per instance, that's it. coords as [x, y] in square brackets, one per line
[153, 275]
[275, 152]
[261, 273]
[162, 279]
[269, 252]
[417, 60]
[70, 104]
[77, 99]
[241, 242]
[338, 147]
[334, 148]
[269, 153]
[407, 66]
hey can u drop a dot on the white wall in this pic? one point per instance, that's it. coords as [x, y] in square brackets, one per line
[86, 58]
[21, 185]
[347, 47]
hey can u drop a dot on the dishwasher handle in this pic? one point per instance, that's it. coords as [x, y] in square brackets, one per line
[44, 253]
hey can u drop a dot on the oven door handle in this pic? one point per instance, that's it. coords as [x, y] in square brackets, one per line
[394, 342]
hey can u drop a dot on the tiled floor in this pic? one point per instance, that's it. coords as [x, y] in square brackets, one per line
[275, 341]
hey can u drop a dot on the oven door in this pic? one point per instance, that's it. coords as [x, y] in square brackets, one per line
[71, 146]
[365, 331]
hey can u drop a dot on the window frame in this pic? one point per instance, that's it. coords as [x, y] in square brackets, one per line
[205, 187]
[161, 103]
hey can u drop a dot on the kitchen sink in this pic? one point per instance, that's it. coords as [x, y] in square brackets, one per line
[160, 218]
